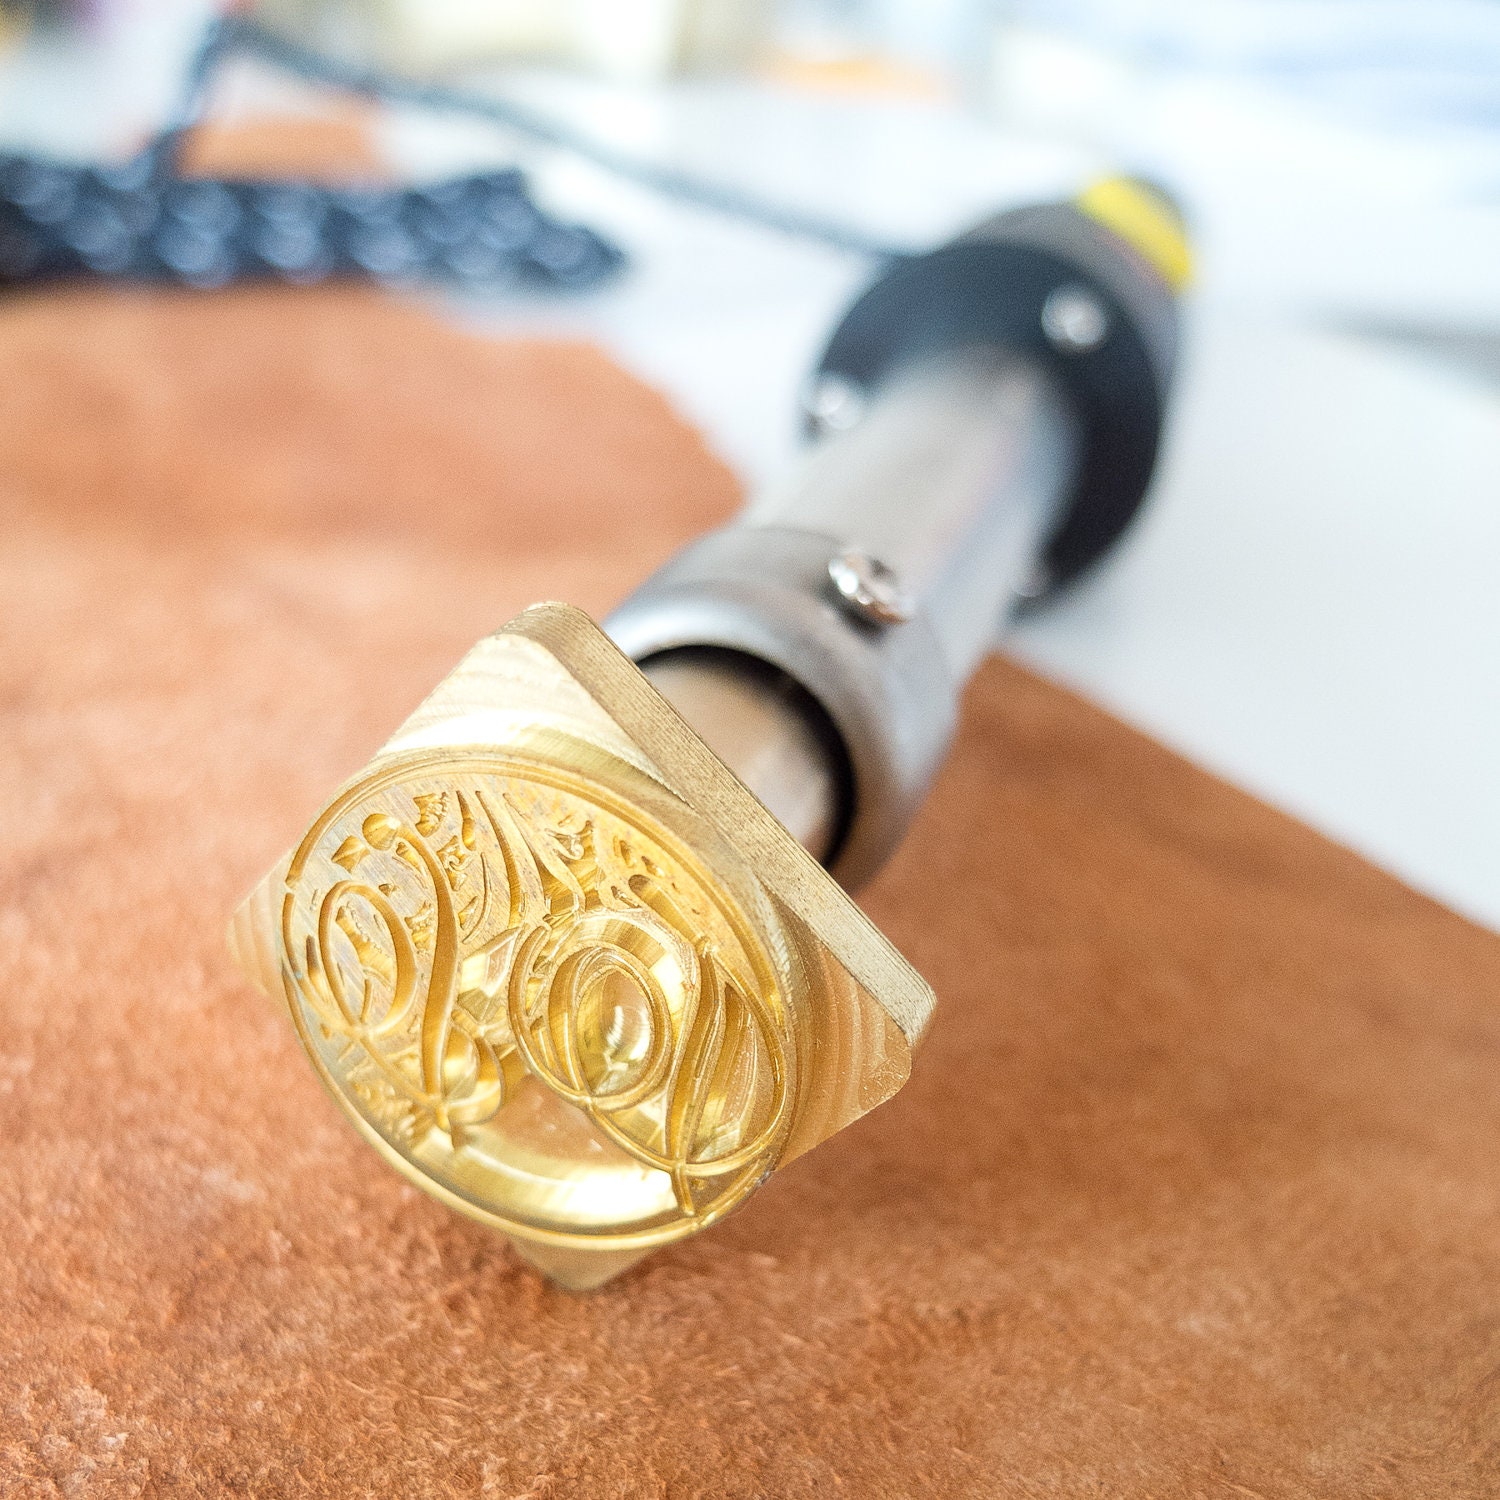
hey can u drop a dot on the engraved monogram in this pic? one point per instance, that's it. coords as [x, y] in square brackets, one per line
[485, 954]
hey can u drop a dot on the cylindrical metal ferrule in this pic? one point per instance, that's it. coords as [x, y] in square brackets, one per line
[952, 479]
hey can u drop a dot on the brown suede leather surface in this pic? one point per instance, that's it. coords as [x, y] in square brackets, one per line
[334, 145]
[1194, 1191]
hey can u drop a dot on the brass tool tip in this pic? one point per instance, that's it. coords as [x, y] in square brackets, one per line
[561, 968]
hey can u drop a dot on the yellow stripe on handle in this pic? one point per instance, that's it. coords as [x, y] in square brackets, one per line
[1140, 218]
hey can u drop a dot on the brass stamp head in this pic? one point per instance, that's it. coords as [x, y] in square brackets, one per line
[564, 971]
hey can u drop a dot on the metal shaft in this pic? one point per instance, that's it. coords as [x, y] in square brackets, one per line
[951, 479]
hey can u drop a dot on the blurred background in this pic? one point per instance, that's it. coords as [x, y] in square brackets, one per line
[1309, 605]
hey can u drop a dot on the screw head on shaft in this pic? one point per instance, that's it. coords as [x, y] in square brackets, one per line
[1074, 320]
[870, 589]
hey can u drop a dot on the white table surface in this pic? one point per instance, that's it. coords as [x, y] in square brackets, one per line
[1310, 605]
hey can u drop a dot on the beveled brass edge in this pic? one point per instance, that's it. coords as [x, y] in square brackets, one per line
[691, 770]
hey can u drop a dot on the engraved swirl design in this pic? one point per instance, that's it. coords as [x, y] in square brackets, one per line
[470, 942]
